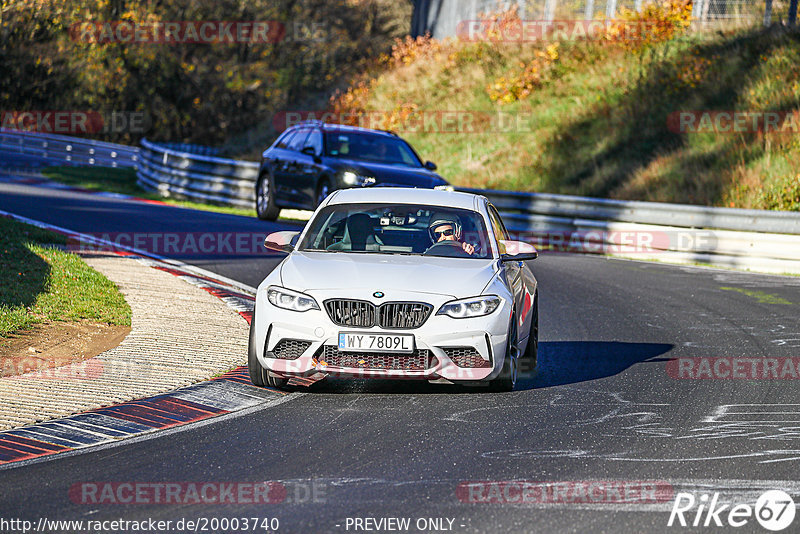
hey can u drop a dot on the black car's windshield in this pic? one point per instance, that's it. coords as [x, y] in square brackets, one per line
[370, 147]
[412, 229]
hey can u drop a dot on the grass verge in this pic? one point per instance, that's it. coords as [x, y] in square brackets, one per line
[39, 283]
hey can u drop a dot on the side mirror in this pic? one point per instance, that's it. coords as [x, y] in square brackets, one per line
[309, 151]
[431, 166]
[281, 241]
[519, 251]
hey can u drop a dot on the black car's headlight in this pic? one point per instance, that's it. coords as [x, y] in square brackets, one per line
[471, 307]
[352, 178]
[291, 300]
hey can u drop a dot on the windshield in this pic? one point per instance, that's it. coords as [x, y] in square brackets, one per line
[412, 229]
[370, 147]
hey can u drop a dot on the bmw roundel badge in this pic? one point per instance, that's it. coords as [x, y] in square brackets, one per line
[378, 294]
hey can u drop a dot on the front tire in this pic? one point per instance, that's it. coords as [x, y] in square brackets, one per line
[530, 360]
[507, 378]
[265, 199]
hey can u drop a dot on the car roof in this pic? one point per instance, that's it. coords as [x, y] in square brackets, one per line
[404, 195]
[331, 127]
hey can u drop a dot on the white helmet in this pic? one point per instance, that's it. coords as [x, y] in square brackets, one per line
[440, 219]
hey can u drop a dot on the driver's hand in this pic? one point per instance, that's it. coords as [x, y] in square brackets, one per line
[469, 249]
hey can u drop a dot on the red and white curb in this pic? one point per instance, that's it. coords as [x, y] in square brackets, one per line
[231, 392]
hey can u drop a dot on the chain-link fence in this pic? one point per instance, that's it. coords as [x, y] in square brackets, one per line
[441, 17]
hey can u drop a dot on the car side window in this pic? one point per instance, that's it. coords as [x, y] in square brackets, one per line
[298, 141]
[500, 232]
[283, 140]
[314, 141]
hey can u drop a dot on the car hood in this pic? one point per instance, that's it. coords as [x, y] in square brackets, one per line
[396, 174]
[454, 277]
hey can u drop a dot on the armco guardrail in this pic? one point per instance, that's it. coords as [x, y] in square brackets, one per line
[759, 240]
[767, 241]
[519, 206]
[27, 148]
[196, 177]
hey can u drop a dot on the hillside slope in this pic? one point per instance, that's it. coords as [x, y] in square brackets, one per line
[601, 117]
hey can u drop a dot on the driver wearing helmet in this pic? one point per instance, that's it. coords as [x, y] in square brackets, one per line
[447, 227]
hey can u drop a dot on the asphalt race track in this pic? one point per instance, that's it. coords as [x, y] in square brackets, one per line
[603, 407]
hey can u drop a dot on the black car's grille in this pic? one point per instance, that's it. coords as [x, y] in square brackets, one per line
[290, 349]
[360, 313]
[466, 357]
[419, 360]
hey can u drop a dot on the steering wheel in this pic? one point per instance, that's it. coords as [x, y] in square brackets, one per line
[447, 248]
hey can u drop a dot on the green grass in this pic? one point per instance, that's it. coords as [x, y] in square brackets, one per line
[760, 296]
[41, 283]
[598, 125]
[123, 181]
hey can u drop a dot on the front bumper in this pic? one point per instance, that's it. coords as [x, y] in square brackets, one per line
[477, 344]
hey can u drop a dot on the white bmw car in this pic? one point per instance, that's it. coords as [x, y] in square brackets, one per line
[397, 283]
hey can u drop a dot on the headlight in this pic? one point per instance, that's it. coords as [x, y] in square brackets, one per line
[351, 178]
[290, 300]
[471, 307]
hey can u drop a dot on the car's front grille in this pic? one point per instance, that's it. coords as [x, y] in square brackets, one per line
[466, 357]
[419, 360]
[403, 314]
[360, 313]
[290, 349]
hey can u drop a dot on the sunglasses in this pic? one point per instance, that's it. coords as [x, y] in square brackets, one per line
[447, 232]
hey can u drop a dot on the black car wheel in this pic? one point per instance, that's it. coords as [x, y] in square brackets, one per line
[265, 199]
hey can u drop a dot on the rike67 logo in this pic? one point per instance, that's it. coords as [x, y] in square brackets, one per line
[774, 510]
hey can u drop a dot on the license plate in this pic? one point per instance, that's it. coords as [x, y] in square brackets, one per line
[360, 342]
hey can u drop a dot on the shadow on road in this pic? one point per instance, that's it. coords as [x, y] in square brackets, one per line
[560, 363]
[568, 362]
